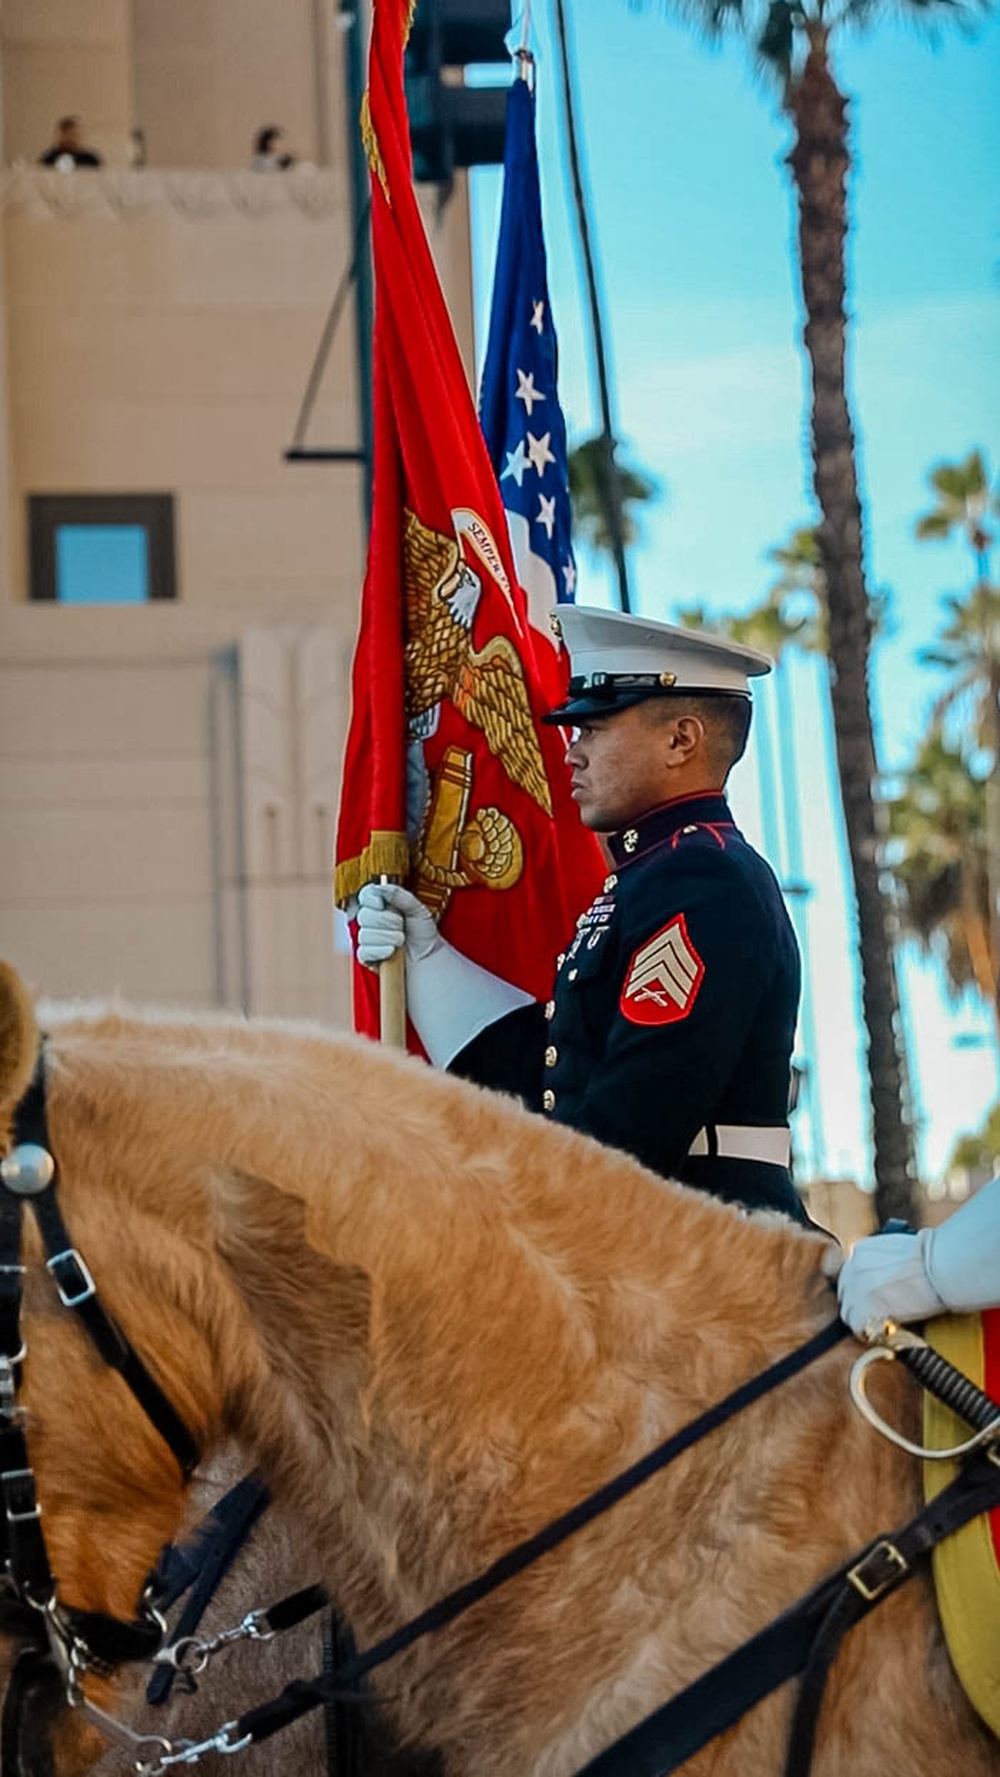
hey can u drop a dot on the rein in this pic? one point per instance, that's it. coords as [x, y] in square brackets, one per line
[802, 1642]
[301, 1696]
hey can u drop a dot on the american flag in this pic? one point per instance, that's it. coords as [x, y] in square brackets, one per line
[518, 403]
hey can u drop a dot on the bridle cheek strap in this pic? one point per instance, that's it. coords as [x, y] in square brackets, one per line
[77, 1290]
[63, 1639]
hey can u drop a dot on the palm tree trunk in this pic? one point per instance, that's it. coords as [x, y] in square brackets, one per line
[819, 163]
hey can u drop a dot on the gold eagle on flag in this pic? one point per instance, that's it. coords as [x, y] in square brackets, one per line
[486, 685]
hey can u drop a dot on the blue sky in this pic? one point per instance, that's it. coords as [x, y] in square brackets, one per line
[693, 217]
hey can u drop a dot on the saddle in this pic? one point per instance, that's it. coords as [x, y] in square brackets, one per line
[967, 1564]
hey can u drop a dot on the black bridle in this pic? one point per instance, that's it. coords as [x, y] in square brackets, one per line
[57, 1642]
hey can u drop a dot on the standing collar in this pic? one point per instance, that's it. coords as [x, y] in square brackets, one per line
[705, 808]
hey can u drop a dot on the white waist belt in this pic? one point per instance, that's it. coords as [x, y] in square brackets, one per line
[746, 1141]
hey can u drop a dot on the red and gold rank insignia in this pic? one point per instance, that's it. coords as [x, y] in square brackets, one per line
[663, 978]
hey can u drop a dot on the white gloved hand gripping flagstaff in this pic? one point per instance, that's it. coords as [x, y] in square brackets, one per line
[450, 999]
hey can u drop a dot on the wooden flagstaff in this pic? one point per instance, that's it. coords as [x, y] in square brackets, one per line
[392, 997]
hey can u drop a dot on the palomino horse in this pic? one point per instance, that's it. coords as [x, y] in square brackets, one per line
[435, 1322]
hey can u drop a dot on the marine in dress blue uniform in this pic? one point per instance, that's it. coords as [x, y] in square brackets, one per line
[672, 1020]
[670, 1029]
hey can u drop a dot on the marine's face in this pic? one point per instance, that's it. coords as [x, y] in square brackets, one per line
[617, 769]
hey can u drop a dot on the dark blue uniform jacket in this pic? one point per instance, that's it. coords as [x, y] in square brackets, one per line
[673, 1011]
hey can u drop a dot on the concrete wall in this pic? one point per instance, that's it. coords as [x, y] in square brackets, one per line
[160, 332]
[160, 328]
[60, 57]
[209, 73]
[167, 802]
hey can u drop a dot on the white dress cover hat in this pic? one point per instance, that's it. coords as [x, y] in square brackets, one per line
[617, 660]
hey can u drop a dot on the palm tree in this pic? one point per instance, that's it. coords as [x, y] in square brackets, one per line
[969, 649]
[588, 492]
[938, 857]
[792, 39]
[979, 1152]
[963, 502]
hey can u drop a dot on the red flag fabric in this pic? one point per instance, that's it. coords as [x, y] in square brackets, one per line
[450, 781]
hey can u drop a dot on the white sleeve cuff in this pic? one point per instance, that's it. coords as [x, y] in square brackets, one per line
[962, 1255]
[451, 999]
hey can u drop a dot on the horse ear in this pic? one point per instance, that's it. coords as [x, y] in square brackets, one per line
[18, 1040]
[311, 1313]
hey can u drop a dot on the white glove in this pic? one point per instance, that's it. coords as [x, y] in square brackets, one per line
[389, 917]
[885, 1278]
[449, 998]
[952, 1268]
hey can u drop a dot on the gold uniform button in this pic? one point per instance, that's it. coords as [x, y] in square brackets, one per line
[550, 1008]
[551, 1055]
[548, 1100]
[560, 959]
[572, 974]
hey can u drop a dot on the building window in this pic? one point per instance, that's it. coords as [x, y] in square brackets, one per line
[102, 549]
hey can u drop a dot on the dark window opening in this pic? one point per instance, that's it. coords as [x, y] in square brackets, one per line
[102, 549]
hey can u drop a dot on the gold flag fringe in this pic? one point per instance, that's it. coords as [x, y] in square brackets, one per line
[372, 149]
[386, 854]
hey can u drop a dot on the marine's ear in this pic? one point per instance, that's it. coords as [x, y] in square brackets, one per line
[311, 1313]
[18, 1041]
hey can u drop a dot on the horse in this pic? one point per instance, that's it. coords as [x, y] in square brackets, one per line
[434, 1322]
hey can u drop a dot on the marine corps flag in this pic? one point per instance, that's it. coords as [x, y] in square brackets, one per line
[450, 780]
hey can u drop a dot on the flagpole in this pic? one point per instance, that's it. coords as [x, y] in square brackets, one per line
[392, 1001]
[608, 471]
[392, 997]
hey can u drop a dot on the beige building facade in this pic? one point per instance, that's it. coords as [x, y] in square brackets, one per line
[169, 767]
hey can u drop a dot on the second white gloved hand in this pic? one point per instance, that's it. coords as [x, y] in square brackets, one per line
[951, 1269]
[389, 917]
[885, 1278]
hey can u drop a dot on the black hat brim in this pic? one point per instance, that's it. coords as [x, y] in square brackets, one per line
[593, 703]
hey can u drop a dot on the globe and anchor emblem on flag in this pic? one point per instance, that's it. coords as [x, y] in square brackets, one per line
[443, 587]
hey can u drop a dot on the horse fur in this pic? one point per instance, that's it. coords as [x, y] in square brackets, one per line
[436, 1322]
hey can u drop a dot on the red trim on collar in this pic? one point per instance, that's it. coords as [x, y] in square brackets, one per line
[674, 802]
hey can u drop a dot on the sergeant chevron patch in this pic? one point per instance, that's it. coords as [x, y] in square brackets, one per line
[663, 978]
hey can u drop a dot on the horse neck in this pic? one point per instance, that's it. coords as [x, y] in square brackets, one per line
[470, 1320]
[435, 1320]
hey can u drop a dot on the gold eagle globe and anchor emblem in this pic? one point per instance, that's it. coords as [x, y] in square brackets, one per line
[454, 849]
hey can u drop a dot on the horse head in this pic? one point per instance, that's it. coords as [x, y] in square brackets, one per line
[207, 1272]
[97, 1489]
